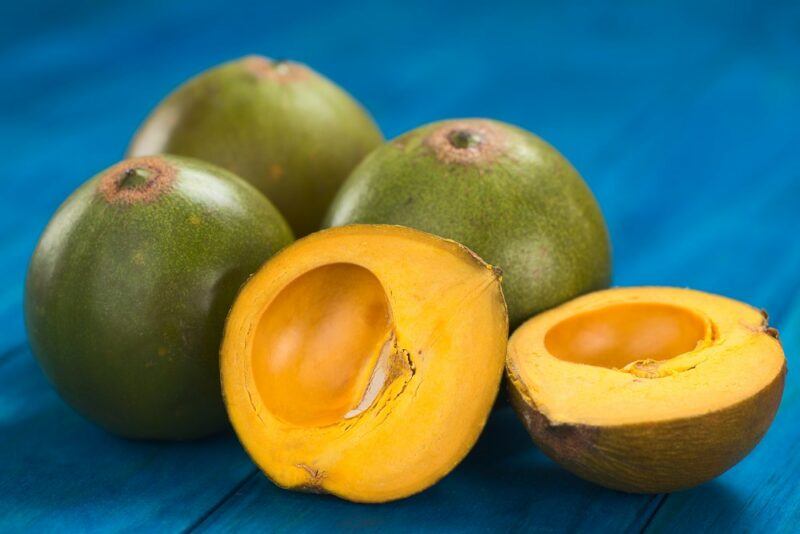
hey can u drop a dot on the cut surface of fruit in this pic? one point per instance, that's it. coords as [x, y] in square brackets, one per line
[363, 361]
[647, 389]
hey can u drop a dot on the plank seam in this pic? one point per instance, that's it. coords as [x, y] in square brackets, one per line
[9, 353]
[219, 504]
[661, 499]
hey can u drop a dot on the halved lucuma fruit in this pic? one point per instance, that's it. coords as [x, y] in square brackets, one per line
[647, 389]
[363, 361]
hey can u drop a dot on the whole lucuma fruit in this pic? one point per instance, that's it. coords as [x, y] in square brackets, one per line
[129, 286]
[498, 189]
[289, 131]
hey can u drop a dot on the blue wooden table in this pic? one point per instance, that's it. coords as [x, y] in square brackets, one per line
[684, 117]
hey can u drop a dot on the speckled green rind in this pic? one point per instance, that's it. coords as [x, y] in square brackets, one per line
[523, 208]
[125, 302]
[289, 131]
[657, 457]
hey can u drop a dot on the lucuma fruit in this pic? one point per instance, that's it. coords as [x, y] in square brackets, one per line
[647, 389]
[499, 190]
[289, 131]
[129, 286]
[363, 361]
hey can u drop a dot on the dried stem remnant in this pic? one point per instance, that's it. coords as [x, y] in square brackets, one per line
[280, 71]
[467, 142]
[137, 180]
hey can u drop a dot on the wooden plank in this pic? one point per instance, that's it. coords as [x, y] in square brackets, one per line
[762, 264]
[97, 85]
[59, 471]
[505, 484]
[592, 82]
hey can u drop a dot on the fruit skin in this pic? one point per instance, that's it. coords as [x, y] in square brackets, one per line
[128, 289]
[450, 328]
[643, 458]
[510, 197]
[289, 131]
[697, 414]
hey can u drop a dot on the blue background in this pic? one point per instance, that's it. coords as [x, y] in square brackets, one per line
[684, 118]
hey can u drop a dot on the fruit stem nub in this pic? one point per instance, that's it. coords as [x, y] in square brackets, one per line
[280, 65]
[464, 138]
[135, 178]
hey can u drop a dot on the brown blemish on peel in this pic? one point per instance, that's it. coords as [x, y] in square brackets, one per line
[467, 142]
[766, 328]
[497, 272]
[772, 332]
[316, 476]
[568, 442]
[137, 180]
[280, 71]
[275, 172]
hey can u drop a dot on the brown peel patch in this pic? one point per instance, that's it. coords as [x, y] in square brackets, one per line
[766, 328]
[568, 443]
[467, 142]
[277, 71]
[160, 180]
[314, 484]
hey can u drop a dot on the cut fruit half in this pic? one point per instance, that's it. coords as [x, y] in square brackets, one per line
[647, 389]
[364, 360]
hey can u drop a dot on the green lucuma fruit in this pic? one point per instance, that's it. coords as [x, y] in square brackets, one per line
[129, 286]
[498, 189]
[289, 131]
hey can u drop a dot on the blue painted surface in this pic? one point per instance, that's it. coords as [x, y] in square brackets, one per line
[684, 117]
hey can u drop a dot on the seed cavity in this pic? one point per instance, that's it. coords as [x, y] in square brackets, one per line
[324, 348]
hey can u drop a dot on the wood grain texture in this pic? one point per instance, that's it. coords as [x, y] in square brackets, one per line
[682, 116]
